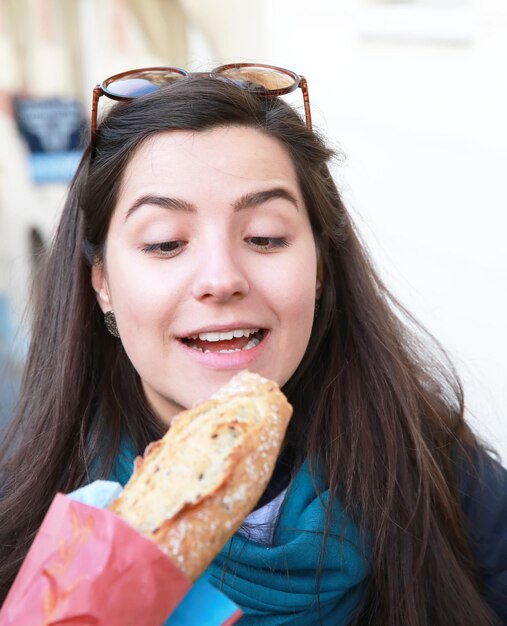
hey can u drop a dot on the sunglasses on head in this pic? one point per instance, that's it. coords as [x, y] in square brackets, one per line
[266, 81]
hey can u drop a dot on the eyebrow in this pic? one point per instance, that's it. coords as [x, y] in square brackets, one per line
[247, 201]
[162, 201]
[254, 199]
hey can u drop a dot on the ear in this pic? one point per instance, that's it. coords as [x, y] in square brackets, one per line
[101, 287]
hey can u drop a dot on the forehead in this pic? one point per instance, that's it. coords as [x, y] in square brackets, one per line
[223, 160]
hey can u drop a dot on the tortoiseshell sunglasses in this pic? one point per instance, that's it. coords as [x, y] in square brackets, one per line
[266, 81]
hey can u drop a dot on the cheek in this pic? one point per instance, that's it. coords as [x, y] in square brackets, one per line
[133, 299]
[143, 317]
[295, 284]
[294, 293]
[296, 315]
[141, 299]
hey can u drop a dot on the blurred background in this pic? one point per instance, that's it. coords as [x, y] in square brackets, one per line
[413, 93]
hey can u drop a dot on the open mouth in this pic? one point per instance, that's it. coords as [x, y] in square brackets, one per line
[226, 341]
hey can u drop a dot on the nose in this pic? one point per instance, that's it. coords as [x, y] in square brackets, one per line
[219, 278]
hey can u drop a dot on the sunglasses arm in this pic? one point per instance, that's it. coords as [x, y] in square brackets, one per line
[306, 99]
[97, 92]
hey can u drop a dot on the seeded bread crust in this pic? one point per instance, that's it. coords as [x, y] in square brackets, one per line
[192, 489]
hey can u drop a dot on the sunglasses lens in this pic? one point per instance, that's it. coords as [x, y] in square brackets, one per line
[136, 85]
[260, 79]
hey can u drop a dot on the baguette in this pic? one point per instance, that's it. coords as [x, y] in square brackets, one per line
[192, 489]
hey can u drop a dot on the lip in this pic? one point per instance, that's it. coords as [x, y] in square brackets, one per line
[220, 328]
[227, 360]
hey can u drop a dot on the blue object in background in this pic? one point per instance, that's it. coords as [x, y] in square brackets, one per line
[54, 167]
[54, 131]
[5, 322]
[11, 358]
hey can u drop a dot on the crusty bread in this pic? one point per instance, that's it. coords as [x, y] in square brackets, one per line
[192, 489]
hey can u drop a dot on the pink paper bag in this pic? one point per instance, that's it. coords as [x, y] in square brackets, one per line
[88, 567]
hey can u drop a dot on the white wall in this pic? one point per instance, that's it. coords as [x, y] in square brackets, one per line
[415, 94]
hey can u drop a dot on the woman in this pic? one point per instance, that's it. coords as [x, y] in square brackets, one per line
[204, 230]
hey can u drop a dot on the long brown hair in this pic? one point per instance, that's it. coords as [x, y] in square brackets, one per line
[376, 408]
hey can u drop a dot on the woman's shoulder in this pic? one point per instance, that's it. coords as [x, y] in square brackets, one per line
[482, 483]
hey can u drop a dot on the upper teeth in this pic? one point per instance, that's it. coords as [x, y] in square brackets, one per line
[230, 334]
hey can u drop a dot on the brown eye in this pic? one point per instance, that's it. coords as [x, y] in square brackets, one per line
[166, 248]
[169, 246]
[268, 243]
[262, 242]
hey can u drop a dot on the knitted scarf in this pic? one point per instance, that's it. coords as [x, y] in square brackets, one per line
[277, 583]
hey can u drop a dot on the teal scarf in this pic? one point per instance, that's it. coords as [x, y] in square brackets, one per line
[277, 584]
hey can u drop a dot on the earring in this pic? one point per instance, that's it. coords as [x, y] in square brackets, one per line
[110, 322]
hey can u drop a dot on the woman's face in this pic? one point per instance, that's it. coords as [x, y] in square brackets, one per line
[210, 265]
